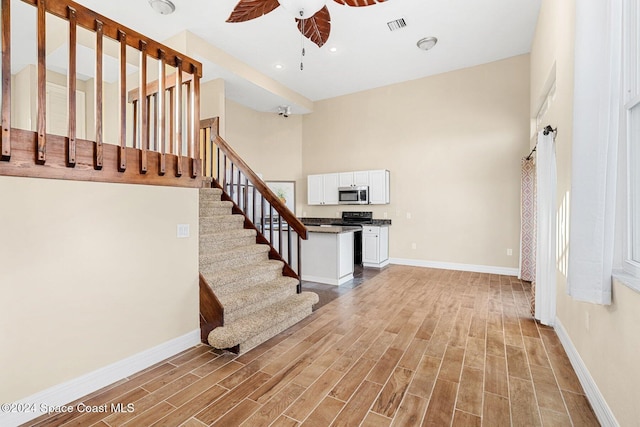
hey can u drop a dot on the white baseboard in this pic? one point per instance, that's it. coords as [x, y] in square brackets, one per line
[327, 280]
[503, 271]
[69, 391]
[591, 390]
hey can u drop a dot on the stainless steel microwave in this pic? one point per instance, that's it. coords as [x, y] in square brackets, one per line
[358, 195]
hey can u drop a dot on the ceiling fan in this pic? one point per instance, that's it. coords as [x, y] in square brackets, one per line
[312, 16]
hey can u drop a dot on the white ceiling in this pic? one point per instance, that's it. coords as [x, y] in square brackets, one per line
[369, 55]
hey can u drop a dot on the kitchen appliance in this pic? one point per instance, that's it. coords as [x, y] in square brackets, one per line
[356, 195]
[356, 219]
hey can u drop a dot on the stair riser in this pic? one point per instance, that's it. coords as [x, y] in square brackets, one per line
[210, 245]
[274, 330]
[266, 300]
[223, 223]
[235, 262]
[214, 211]
[210, 195]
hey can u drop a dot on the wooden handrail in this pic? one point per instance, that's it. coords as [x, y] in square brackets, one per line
[65, 157]
[262, 188]
[87, 19]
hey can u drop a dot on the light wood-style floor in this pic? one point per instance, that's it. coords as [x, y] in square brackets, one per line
[409, 347]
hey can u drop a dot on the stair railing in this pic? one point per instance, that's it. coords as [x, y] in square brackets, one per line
[276, 225]
[152, 160]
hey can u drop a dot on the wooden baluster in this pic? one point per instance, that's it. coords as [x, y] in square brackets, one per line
[172, 135]
[254, 192]
[5, 141]
[271, 224]
[195, 108]
[160, 107]
[41, 155]
[71, 86]
[144, 115]
[224, 171]
[135, 124]
[280, 235]
[289, 245]
[231, 192]
[154, 99]
[149, 146]
[178, 113]
[240, 189]
[122, 152]
[98, 152]
[187, 120]
[299, 272]
[246, 196]
[263, 213]
[217, 163]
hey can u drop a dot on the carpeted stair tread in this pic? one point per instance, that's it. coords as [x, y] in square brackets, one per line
[207, 194]
[214, 242]
[266, 320]
[235, 257]
[210, 225]
[228, 234]
[251, 299]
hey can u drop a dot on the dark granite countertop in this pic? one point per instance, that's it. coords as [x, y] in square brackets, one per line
[310, 221]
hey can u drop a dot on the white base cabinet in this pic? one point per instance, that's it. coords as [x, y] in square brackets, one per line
[375, 246]
[328, 258]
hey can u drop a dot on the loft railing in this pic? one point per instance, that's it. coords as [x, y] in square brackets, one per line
[165, 150]
[277, 226]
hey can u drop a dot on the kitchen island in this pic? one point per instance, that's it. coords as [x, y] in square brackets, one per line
[327, 254]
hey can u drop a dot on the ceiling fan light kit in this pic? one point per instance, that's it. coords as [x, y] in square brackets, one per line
[427, 43]
[163, 7]
[302, 9]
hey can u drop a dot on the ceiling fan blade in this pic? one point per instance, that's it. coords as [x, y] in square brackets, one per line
[316, 28]
[246, 10]
[358, 3]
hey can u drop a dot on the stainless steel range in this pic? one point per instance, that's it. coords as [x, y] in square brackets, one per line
[357, 218]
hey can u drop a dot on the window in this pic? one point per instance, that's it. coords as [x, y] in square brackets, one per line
[631, 114]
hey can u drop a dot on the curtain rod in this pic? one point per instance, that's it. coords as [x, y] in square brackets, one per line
[546, 131]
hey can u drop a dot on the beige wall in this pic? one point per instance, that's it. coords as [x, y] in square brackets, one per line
[91, 274]
[269, 143]
[606, 337]
[452, 143]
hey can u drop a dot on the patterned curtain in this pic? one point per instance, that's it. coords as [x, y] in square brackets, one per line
[528, 225]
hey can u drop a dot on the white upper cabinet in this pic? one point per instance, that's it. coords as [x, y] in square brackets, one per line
[349, 179]
[379, 187]
[322, 189]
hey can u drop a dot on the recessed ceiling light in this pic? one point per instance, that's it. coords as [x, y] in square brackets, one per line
[278, 66]
[163, 7]
[427, 43]
[333, 49]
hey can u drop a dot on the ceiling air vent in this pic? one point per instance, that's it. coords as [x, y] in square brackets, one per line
[397, 24]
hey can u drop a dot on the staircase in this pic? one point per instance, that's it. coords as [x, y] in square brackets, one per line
[258, 301]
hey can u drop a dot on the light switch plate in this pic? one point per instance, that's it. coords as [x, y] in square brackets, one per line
[183, 231]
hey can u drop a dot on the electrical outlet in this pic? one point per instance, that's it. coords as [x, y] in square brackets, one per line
[414, 246]
[510, 252]
[408, 215]
[304, 213]
[384, 215]
[183, 231]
